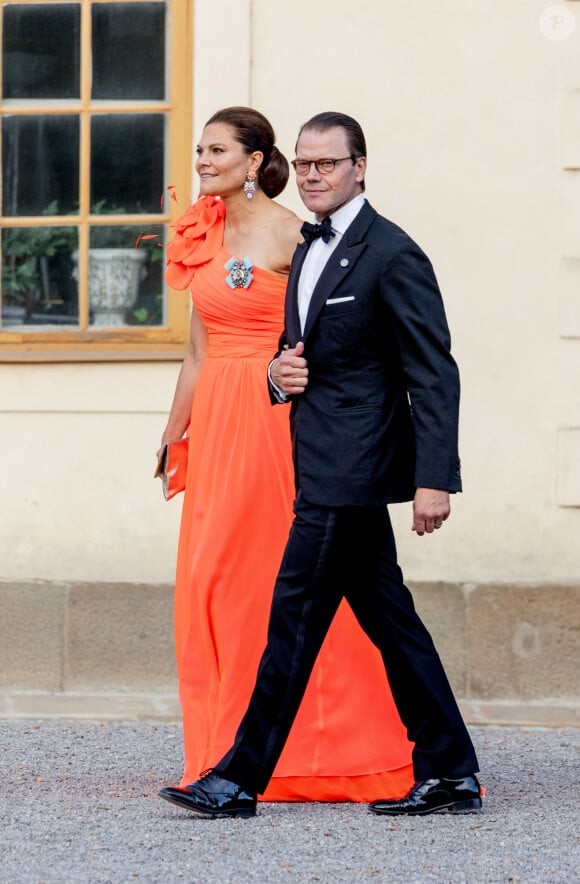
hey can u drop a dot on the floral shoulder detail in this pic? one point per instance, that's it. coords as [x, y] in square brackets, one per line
[198, 237]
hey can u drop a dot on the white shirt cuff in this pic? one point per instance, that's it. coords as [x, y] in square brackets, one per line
[278, 393]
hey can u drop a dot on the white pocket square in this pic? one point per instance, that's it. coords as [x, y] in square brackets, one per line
[340, 300]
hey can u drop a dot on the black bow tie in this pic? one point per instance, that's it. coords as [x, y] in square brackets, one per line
[313, 231]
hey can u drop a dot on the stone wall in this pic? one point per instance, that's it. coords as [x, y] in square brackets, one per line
[106, 650]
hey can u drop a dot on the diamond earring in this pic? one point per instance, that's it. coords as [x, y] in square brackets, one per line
[250, 185]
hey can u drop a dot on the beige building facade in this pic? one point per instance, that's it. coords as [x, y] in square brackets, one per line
[472, 118]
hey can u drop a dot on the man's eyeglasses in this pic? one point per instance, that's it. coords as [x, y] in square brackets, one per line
[324, 167]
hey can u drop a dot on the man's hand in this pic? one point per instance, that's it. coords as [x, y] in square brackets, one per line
[290, 370]
[430, 509]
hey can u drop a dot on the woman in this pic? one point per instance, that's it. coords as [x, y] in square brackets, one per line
[234, 247]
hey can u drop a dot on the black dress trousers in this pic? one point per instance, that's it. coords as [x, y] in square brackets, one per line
[350, 552]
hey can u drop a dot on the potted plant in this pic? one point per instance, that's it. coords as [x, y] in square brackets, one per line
[28, 256]
[36, 264]
[116, 269]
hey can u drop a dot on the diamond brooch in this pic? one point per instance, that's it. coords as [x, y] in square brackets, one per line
[239, 276]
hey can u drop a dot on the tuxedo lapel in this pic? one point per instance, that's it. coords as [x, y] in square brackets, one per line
[340, 263]
[292, 318]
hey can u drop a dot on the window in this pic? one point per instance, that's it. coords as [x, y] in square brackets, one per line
[95, 127]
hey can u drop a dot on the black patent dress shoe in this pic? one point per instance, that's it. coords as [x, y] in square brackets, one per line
[212, 796]
[428, 796]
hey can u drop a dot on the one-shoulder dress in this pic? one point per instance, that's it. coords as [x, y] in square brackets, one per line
[347, 743]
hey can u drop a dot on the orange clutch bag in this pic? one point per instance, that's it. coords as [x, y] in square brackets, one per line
[172, 467]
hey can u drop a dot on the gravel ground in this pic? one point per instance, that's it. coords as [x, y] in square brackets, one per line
[79, 804]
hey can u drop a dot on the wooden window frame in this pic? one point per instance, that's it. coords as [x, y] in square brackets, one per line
[127, 342]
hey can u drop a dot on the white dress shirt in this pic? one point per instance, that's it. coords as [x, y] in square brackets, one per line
[314, 263]
[320, 251]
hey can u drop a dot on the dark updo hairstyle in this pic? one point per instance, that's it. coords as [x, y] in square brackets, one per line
[254, 132]
[332, 119]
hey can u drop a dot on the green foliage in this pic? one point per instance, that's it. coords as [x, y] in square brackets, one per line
[120, 236]
[23, 247]
[149, 313]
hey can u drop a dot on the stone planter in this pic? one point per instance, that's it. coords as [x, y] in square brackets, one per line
[114, 277]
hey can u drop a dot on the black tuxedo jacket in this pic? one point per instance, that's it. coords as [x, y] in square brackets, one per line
[379, 415]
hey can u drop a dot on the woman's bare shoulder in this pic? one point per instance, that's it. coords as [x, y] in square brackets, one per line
[288, 225]
[282, 235]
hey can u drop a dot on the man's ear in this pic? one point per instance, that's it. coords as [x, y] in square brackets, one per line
[361, 167]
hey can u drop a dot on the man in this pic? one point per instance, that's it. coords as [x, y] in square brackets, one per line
[365, 358]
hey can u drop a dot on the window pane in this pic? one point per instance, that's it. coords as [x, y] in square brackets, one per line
[129, 51]
[38, 283]
[41, 51]
[127, 161]
[125, 282]
[40, 165]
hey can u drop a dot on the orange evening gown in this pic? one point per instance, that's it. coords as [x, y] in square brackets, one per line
[347, 743]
